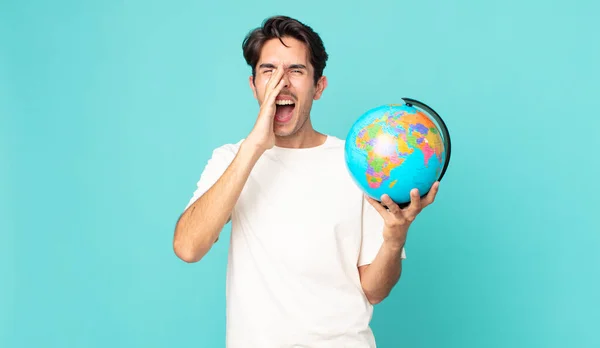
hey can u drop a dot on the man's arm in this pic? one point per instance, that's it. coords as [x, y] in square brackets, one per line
[379, 277]
[200, 225]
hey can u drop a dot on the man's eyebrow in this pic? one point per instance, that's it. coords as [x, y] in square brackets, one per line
[297, 66]
[266, 65]
[271, 66]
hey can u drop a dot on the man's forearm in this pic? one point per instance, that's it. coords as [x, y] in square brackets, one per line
[200, 225]
[378, 278]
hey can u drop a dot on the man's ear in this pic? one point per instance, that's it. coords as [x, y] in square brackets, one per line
[321, 85]
[251, 82]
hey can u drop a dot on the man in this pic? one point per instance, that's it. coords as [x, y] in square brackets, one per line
[309, 255]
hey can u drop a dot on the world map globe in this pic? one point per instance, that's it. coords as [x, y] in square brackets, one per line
[394, 148]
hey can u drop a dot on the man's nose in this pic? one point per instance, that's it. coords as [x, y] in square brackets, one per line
[286, 80]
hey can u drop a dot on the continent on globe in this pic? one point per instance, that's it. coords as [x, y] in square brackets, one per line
[391, 138]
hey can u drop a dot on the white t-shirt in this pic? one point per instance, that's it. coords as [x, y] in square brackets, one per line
[300, 229]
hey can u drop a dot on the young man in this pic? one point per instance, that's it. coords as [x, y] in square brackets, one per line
[309, 254]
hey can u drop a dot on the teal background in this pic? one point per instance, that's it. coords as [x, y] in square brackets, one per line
[109, 110]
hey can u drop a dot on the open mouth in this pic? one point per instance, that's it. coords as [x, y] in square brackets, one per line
[284, 111]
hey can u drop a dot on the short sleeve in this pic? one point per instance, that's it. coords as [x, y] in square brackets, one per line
[372, 234]
[214, 168]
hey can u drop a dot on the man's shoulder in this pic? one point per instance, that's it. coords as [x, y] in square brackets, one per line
[335, 141]
[227, 149]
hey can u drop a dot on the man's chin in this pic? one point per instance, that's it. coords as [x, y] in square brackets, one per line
[284, 129]
[284, 133]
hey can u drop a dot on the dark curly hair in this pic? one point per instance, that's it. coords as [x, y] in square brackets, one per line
[281, 26]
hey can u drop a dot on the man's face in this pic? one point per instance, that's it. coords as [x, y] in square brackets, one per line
[295, 100]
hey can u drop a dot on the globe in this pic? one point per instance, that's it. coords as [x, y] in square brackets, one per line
[394, 148]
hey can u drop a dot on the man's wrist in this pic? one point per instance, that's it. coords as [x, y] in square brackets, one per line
[251, 150]
[395, 246]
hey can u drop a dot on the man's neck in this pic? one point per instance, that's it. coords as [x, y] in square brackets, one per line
[302, 140]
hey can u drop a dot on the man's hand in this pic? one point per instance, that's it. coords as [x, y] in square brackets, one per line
[379, 277]
[397, 220]
[262, 135]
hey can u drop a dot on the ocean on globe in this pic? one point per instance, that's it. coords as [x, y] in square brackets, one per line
[394, 148]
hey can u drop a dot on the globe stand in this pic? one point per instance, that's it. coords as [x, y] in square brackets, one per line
[446, 139]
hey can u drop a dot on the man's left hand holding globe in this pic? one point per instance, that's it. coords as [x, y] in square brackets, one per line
[397, 220]
[379, 277]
